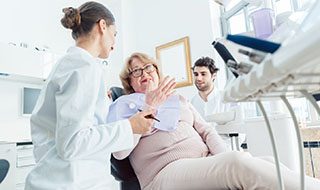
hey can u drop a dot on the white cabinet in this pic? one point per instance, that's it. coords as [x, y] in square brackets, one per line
[20, 61]
[8, 152]
[23, 63]
[20, 157]
[25, 163]
[287, 145]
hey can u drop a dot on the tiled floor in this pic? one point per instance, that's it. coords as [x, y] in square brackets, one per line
[312, 134]
[316, 162]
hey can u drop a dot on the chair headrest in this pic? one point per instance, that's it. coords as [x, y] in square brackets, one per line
[116, 92]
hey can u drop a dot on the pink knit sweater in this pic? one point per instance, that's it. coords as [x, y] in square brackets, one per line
[193, 138]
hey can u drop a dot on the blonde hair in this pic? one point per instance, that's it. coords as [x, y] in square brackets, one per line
[125, 73]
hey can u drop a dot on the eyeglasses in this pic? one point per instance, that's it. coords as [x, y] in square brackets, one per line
[138, 72]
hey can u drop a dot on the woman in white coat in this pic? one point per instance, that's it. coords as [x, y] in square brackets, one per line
[72, 142]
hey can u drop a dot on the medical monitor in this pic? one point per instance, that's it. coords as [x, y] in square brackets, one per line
[29, 100]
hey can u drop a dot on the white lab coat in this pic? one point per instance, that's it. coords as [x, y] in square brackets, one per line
[214, 104]
[72, 142]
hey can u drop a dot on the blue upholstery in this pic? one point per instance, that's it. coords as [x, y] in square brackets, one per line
[122, 170]
[317, 96]
[4, 168]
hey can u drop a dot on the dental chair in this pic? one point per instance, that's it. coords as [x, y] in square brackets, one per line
[4, 168]
[316, 96]
[122, 170]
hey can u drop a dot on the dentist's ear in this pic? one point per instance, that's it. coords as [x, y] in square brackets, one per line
[102, 25]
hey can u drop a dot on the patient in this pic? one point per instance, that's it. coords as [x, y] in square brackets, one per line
[182, 151]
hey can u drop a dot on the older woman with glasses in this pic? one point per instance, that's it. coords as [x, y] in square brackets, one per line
[182, 151]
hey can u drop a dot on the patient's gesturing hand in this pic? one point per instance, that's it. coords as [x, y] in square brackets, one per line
[157, 94]
[140, 124]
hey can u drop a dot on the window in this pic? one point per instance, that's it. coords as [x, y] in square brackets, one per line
[250, 109]
[301, 109]
[303, 3]
[314, 117]
[232, 4]
[283, 6]
[234, 17]
[237, 23]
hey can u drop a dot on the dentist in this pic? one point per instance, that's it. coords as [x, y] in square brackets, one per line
[72, 142]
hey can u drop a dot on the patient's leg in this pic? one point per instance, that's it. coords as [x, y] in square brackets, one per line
[230, 170]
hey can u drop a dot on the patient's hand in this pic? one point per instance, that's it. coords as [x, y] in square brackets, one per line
[140, 124]
[156, 95]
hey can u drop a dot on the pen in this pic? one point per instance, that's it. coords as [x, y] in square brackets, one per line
[149, 116]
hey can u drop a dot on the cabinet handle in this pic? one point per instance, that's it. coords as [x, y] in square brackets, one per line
[5, 151]
[24, 147]
[26, 166]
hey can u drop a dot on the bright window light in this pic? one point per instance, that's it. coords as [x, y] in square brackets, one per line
[301, 109]
[283, 6]
[237, 23]
[232, 4]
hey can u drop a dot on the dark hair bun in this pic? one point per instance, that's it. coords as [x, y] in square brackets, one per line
[71, 19]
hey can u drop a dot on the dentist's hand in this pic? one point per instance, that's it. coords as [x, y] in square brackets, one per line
[140, 124]
[156, 95]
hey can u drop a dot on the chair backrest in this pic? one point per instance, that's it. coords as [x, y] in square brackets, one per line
[122, 169]
[116, 92]
[317, 96]
[4, 168]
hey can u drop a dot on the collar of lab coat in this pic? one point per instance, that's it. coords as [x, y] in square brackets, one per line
[84, 54]
[213, 94]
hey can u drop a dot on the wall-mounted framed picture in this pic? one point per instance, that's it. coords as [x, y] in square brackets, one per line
[174, 59]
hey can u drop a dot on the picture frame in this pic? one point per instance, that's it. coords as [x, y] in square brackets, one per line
[174, 60]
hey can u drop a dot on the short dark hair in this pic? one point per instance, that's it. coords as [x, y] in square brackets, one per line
[81, 20]
[206, 62]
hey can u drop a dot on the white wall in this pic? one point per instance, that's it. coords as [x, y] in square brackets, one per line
[37, 23]
[142, 25]
[13, 126]
[148, 24]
